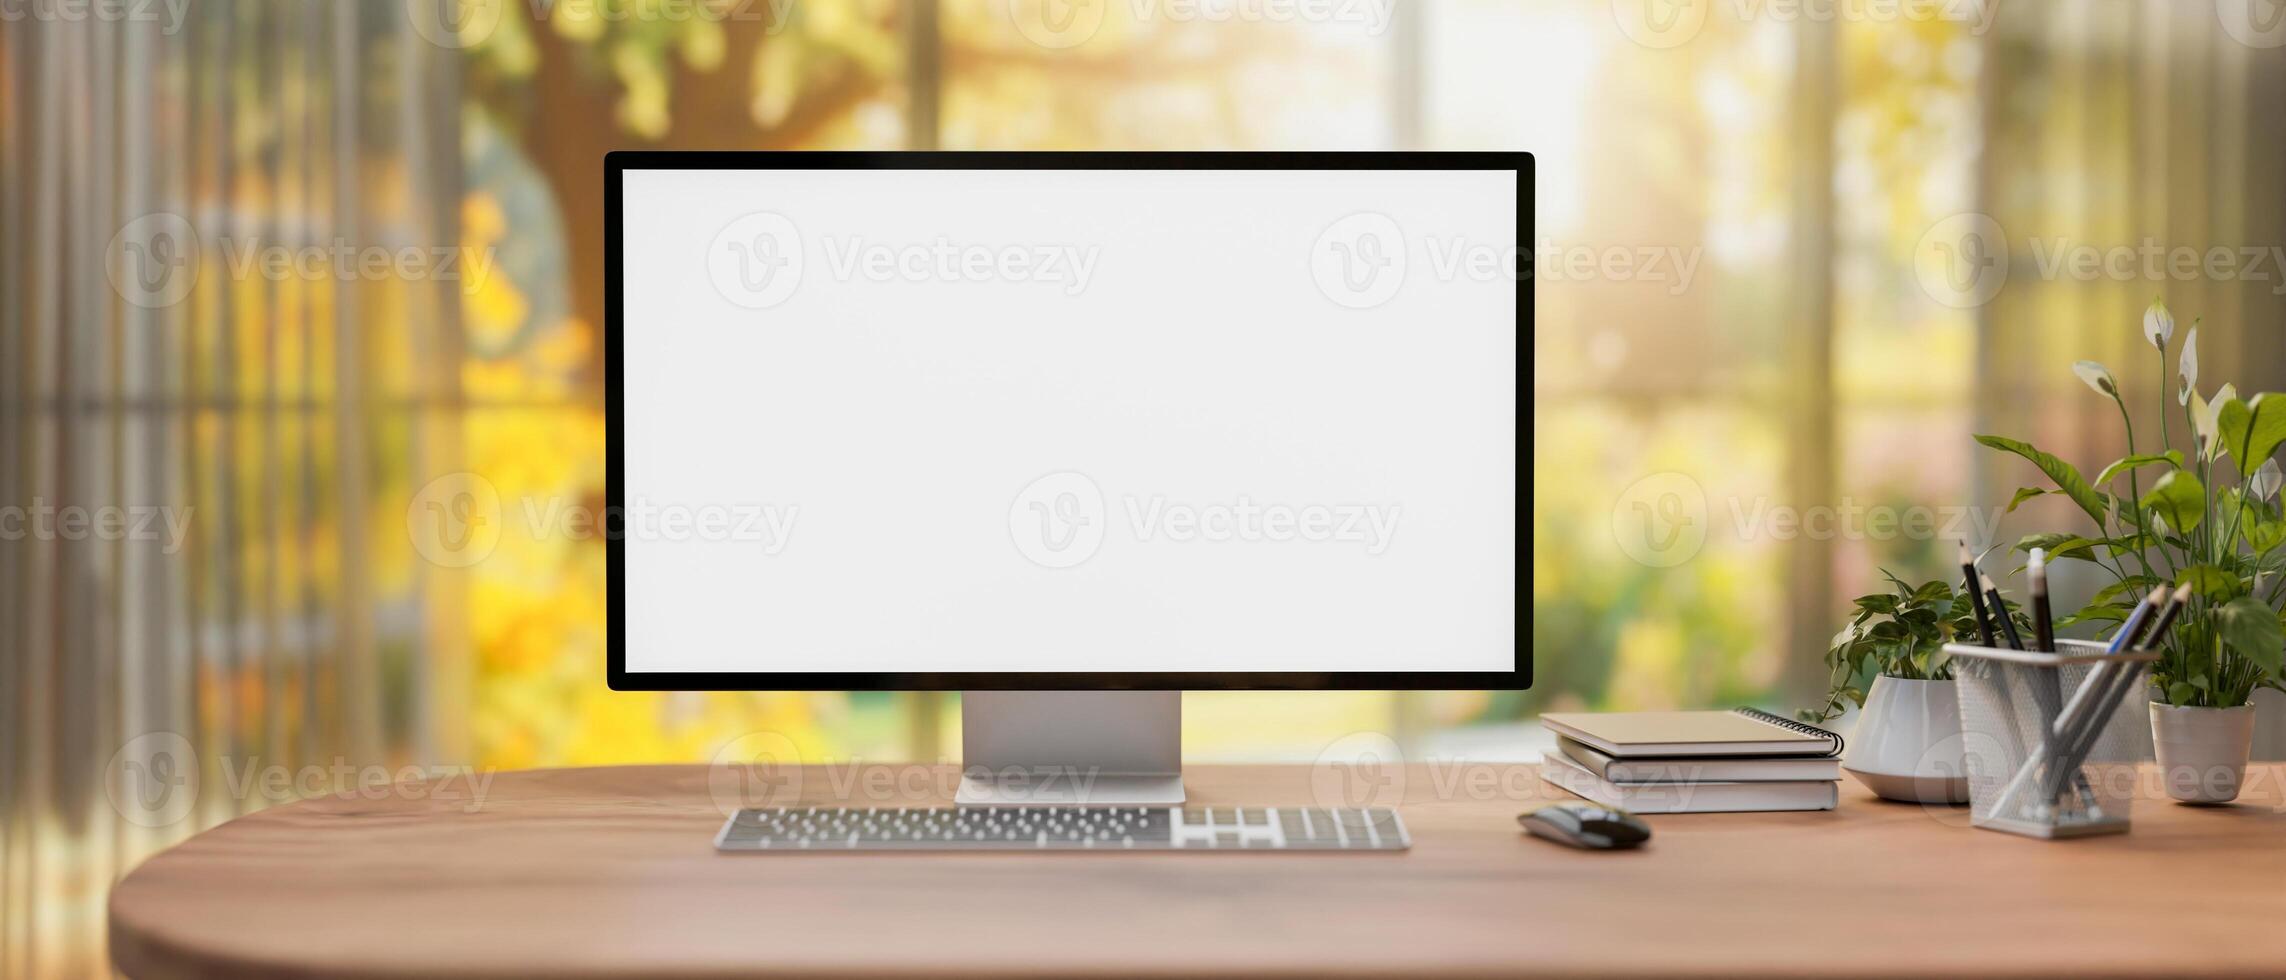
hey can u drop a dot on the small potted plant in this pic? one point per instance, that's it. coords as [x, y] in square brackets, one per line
[1907, 745]
[2209, 516]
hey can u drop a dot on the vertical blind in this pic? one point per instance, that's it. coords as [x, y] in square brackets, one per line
[201, 418]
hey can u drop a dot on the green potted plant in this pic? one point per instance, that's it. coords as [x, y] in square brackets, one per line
[1907, 745]
[2209, 515]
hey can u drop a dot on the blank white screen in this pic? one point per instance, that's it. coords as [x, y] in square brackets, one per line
[841, 470]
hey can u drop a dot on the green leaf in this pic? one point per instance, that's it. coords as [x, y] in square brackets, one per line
[2252, 430]
[2131, 588]
[2059, 545]
[2251, 627]
[2217, 585]
[2180, 694]
[2263, 536]
[2131, 544]
[1878, 603]
[2136, 461]
[2105, 613]
[2178, 498]
[2066, 476]
[2022, 494]
[1934, 592]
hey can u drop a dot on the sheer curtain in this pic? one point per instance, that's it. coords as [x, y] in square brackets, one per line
[1808, 166]
[2133, 130]
[195, 439]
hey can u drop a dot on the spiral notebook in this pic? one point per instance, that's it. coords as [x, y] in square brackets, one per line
[1696, 797]
[1688, 734]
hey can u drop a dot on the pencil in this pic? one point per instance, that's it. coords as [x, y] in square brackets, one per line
[1976, 598]
[2000, 612]
[2043, 629]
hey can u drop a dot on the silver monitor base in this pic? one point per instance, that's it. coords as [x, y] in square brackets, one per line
[1064, 748]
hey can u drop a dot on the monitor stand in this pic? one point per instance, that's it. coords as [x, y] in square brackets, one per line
[1060, 748]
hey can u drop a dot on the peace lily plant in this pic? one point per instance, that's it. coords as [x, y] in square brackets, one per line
[2205, 512]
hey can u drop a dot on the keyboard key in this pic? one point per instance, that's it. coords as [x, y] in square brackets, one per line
[1060, 828]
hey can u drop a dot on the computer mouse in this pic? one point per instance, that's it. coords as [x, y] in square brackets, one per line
[1586, 825]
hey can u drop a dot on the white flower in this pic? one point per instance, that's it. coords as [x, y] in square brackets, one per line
[2188, 372]
[2266, 480]
[2158, 324]
[2205, 416]
[2097, 377]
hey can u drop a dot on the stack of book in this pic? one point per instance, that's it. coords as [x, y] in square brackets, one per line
[1694, 761]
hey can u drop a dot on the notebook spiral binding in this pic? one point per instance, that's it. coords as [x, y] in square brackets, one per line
[1793, 726]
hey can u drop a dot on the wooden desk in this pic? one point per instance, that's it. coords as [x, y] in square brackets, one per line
[602, 872]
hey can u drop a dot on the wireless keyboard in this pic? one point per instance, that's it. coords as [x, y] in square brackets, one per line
[1063, 828]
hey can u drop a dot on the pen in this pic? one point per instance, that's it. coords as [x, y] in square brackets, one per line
[2169, 607]
[2116, 679]
[2083, 719]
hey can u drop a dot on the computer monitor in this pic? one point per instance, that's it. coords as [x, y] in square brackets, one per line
[1069, 432]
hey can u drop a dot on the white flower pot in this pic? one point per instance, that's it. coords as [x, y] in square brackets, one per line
[2202, 751]
[1907, 745]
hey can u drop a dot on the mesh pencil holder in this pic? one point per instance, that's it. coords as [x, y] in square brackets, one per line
[2048, 751]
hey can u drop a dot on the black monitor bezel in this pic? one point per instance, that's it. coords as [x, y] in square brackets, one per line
[617, 163]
